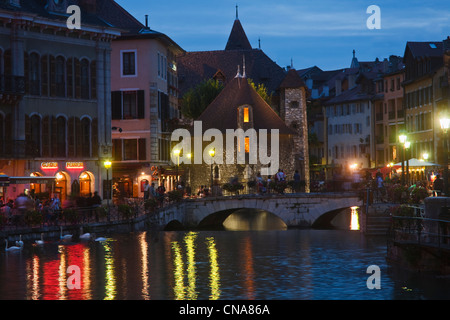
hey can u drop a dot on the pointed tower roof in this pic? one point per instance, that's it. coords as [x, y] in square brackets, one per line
[221, 113]
[292, 80]
[238, 39]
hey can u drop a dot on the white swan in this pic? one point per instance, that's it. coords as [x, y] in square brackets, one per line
[13, 248]
[84, 236]
[20, 242]
[65, 237]
[40, 242]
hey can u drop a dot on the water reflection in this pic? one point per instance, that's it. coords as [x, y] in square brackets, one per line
[110, 272]
[253, 219]
[189, 291]
[354, 221]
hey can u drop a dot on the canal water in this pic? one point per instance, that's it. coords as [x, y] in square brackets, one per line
[293, 264]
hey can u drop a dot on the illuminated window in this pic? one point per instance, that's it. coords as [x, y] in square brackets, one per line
[246, 115]
[247, 144]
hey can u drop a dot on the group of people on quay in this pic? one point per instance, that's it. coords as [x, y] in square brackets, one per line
[432, 183]
[13, 211]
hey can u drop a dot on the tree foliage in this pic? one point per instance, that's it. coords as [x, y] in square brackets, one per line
[195, 101]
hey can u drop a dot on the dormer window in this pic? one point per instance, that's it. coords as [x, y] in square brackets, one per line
[246, 115]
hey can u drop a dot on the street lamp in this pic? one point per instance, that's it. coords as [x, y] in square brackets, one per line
[212, 152]
[445, 123]
[402, 139]
[407, 145]
[176, 152]
[107, 165]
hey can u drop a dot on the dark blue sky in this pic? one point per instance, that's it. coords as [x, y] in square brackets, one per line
[310, 32]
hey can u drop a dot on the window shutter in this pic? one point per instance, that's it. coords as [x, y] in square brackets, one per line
[69, 72]
[116, 105]
[53, 135]
[142, 149]
[52, 62]
[44, 75]
[78, 138]
[27, 71]
[94, 137]
[45, 136]
[77, 71]
[28, 138]
[141, 104]
[71, 137]
[93, 80]
[117, 149]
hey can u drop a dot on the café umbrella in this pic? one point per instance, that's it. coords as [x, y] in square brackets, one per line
[418, 163]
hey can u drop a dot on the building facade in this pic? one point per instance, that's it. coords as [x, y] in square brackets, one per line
[424, 67]
[55, 107]
[144, 108]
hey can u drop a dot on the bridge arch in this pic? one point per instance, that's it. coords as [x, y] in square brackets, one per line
[242, 219]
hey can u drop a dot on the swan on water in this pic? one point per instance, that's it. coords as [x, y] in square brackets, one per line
[84, 236]
[40, 242]
[13, 248]
[20, 242]
[64, 237]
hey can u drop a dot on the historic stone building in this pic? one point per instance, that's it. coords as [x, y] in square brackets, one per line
[239, 106]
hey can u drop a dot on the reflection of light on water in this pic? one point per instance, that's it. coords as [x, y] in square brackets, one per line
[87, 274]
[144, 261]
[110, 286]
[62, 273]
[178, 271]
[189, 291]
[189, 240]
[33, 278]
[214, 276]
[354, 222]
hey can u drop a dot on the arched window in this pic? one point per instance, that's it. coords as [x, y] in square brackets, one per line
[86, 137]
[61, 137]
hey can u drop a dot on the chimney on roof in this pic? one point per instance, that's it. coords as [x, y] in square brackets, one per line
[146, 20]
[338, 86]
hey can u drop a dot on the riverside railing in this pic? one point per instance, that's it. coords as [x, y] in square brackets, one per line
[421, 230]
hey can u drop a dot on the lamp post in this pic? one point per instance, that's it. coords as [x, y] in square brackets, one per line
[407, 145]
[177, 153]
[402, 139]
[445, 123]
[107, 165]
[211, 154]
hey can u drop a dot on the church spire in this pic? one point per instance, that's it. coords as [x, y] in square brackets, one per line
[238, 39]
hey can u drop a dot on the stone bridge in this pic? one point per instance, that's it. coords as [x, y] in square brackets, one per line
[295, 210]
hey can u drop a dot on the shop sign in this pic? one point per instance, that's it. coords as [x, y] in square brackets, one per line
[74, 165]
[49, 165]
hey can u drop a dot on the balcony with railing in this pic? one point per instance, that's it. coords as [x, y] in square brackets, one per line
[18, 149]
[12, 85]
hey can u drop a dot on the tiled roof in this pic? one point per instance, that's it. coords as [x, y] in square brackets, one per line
[425, 49]
[107, 13]
[238, 39]
[221, 113]
[292, 80]
[194, 67]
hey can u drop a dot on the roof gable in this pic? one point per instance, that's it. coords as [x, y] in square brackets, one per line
[221, 113]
